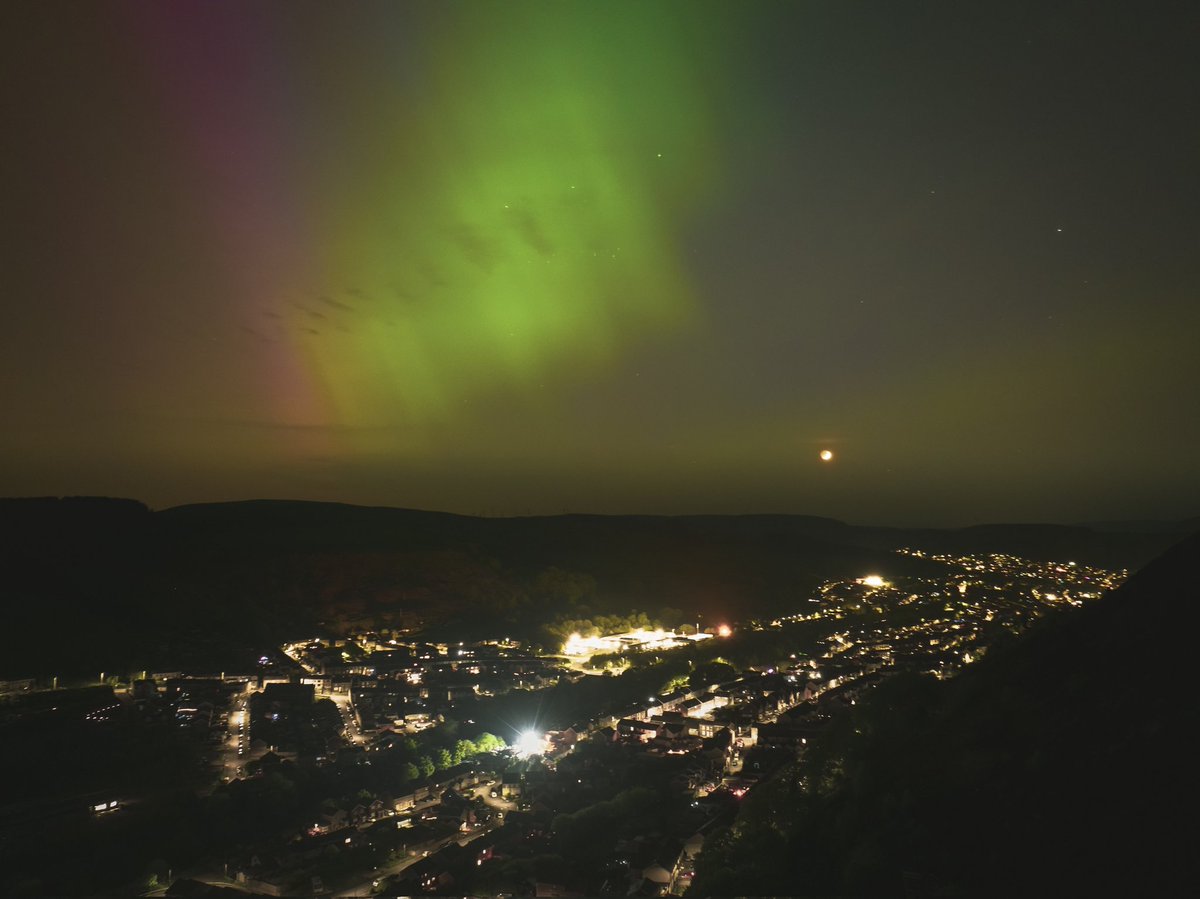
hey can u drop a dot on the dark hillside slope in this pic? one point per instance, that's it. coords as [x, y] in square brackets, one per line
[1059, 765]
[94, 584]
[71, 574]
[352, 564]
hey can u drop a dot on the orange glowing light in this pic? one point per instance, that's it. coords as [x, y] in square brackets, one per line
[724, 630]
[826, 455]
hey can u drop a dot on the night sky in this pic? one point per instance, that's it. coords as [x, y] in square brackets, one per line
[513, 258]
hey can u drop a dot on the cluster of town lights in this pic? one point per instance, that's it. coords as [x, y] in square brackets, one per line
[640, 639]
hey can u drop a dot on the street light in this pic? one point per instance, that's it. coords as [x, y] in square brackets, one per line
[530, 743]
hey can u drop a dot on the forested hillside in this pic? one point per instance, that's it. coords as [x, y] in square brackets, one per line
[92, 584]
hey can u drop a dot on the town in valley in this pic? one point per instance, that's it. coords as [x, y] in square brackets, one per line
[385, 762]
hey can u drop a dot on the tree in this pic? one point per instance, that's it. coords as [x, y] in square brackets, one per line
[463, 750]
[489, 743]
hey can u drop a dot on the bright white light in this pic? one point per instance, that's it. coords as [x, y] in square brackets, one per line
[578, 646]
[826, 455]
[530, 743]
[873, 580]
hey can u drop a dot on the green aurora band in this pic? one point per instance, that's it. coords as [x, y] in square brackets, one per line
[520, 218]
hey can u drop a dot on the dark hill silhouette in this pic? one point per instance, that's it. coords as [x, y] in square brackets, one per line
[93, 584]
[1059, 765]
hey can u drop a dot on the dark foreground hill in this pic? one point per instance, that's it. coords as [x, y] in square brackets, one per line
[1060, 765]
[97, 584]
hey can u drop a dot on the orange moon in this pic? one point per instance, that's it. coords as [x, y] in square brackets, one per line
[826, 455]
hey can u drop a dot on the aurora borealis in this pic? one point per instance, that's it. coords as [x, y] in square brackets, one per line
[612, 257]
